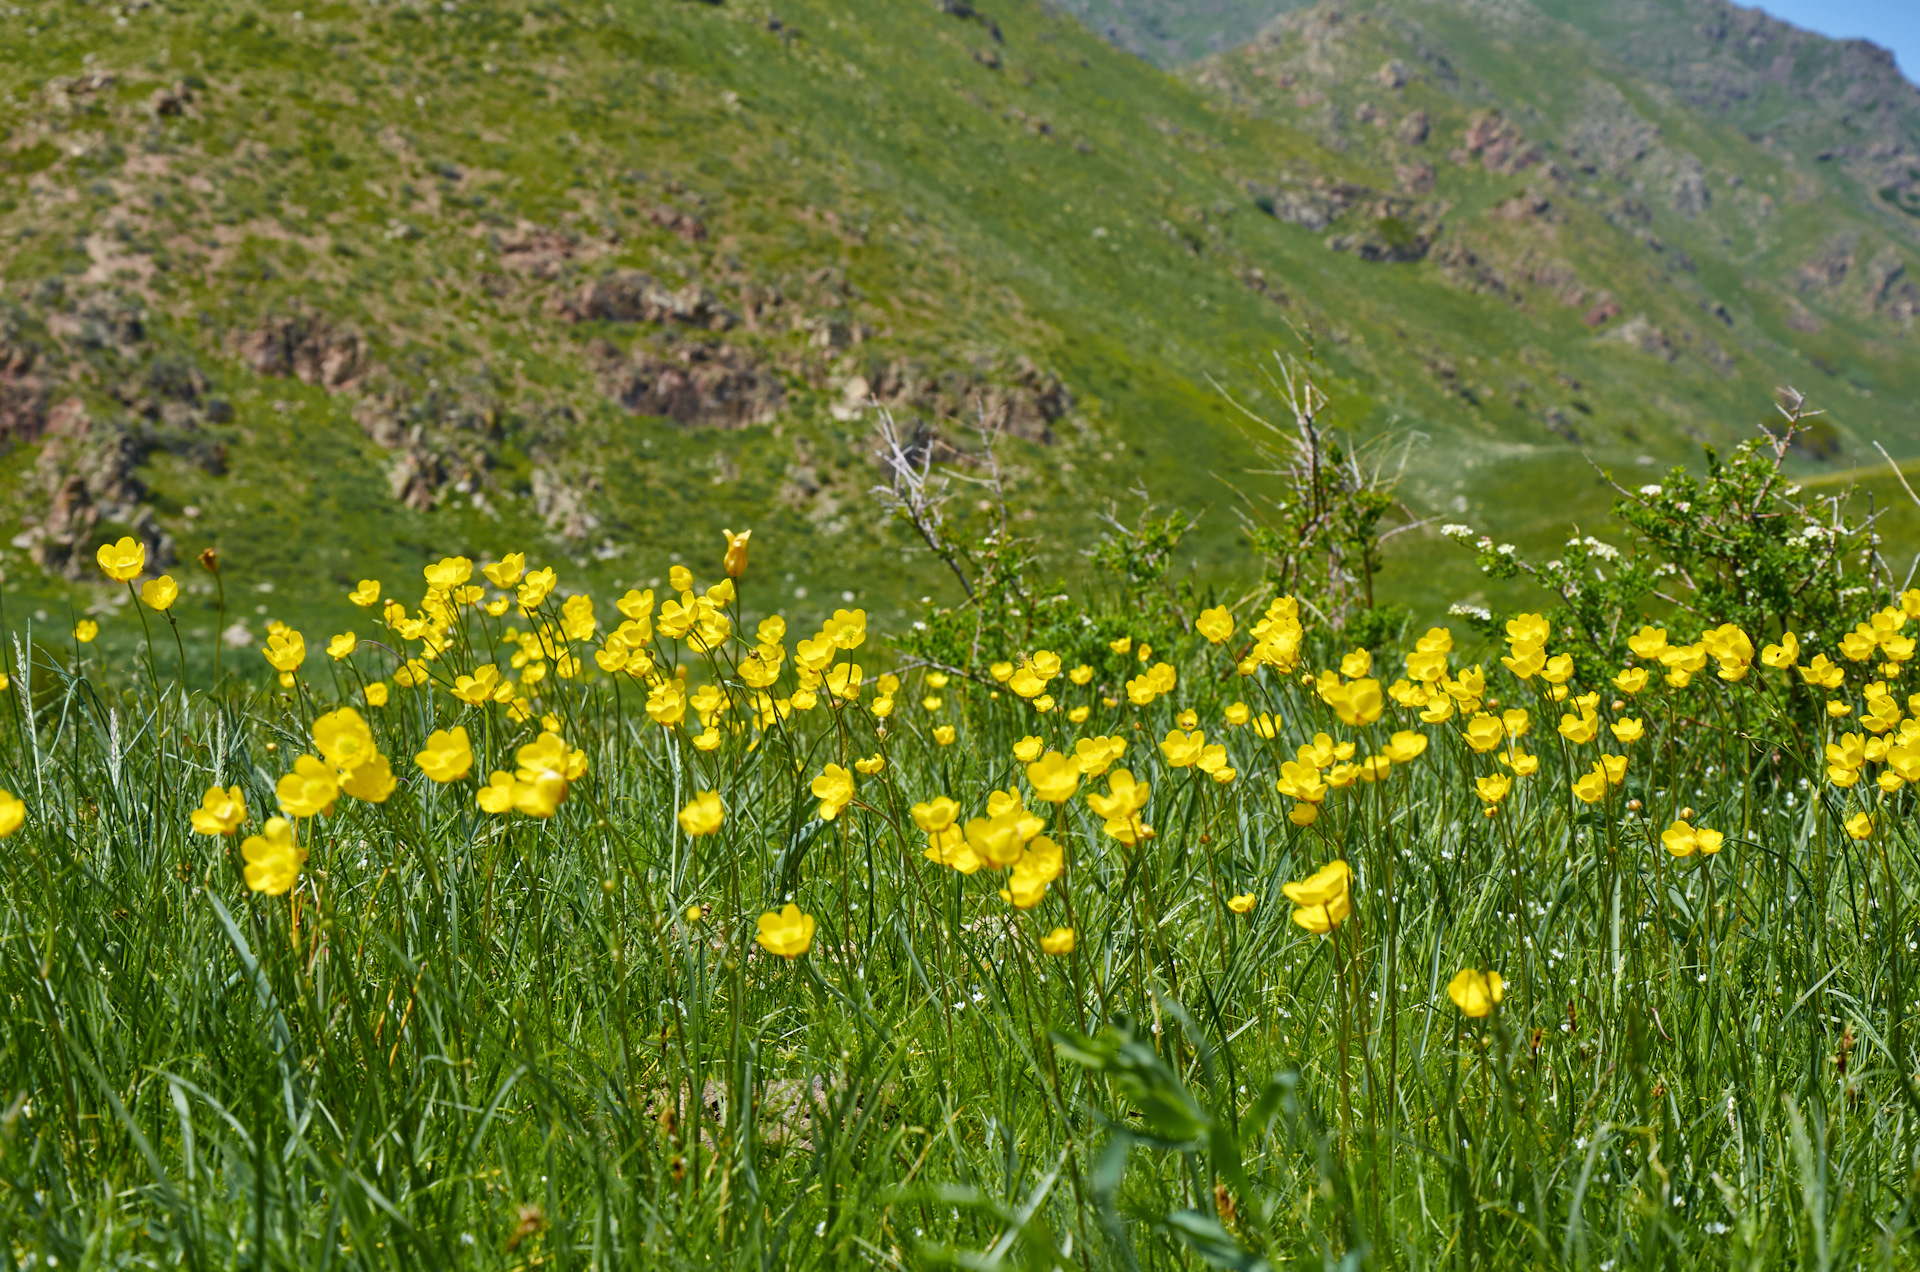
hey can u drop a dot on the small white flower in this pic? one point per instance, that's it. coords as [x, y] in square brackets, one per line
[1507, 549]
[1455, 530]
[1652, 490]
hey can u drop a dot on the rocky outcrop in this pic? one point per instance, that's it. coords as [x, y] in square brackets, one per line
[1889, 290]
[536, 252]
[1499, 144]
[1639, 333]
[444, 441]
[1022, 400]
[700, 383]
[86, 470]
[628, 295]
[23, 394]
[1389, 240]
[1313, 205]
[305, 346]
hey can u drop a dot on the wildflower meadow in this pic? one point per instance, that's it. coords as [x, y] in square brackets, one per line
[1169, 923]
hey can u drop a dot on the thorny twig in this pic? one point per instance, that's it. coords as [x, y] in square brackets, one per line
[915, 493]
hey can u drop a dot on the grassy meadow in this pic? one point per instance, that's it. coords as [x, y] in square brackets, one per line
[501, 925]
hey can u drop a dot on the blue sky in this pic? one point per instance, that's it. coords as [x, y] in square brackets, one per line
[1893, 24]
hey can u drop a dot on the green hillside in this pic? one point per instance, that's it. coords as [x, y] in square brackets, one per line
[1171, 32]
[313, 284]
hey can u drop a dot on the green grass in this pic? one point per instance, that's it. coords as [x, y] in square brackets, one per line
[498, 1041]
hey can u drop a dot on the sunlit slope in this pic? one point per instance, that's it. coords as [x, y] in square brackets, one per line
[401, 280]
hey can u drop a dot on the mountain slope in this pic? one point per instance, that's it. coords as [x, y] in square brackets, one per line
[1171, 32]
[494, 275]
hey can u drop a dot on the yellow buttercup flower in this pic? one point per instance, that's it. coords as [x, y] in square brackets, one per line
[221, 812]
[377, 694]
[667, 702]
[371, 781]
[285, 650]
[539, 795]
[503, 573]
[123, 561]
[497, 795]
[703, 815]
[1241, 904]
[1485, 732]
[1054, 778]
[870, 766]
[1860, 826]
[1625, 731]
[1579, 729]
[1522, 764]
[342, 645]
[1058, 942]
[1631, 680]
[85, 631]
[1526, 661]
[1683, 840]
[13, 813]
[834, 789]
[535, 588]
[735, 562]
[787, 933]
[1301, 781]
[1648, 642]
[309, 790]
[160, 593]
[1492, 788]
[448, 573]
[1355, 703]
[448, 756]
[1476, 993]
[367, 594]
[1123, 798]
[272, 858]
[1182, 749]
[1823, 673]
[1528, 629]
[843, 680]
[1591, 787]
[943, 734]
[1405, 746]
[1321, 900]
[343, 738]
[937, 818]
[576, 617]
[1783, 655]
[1215, 624]
[1093, 755]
